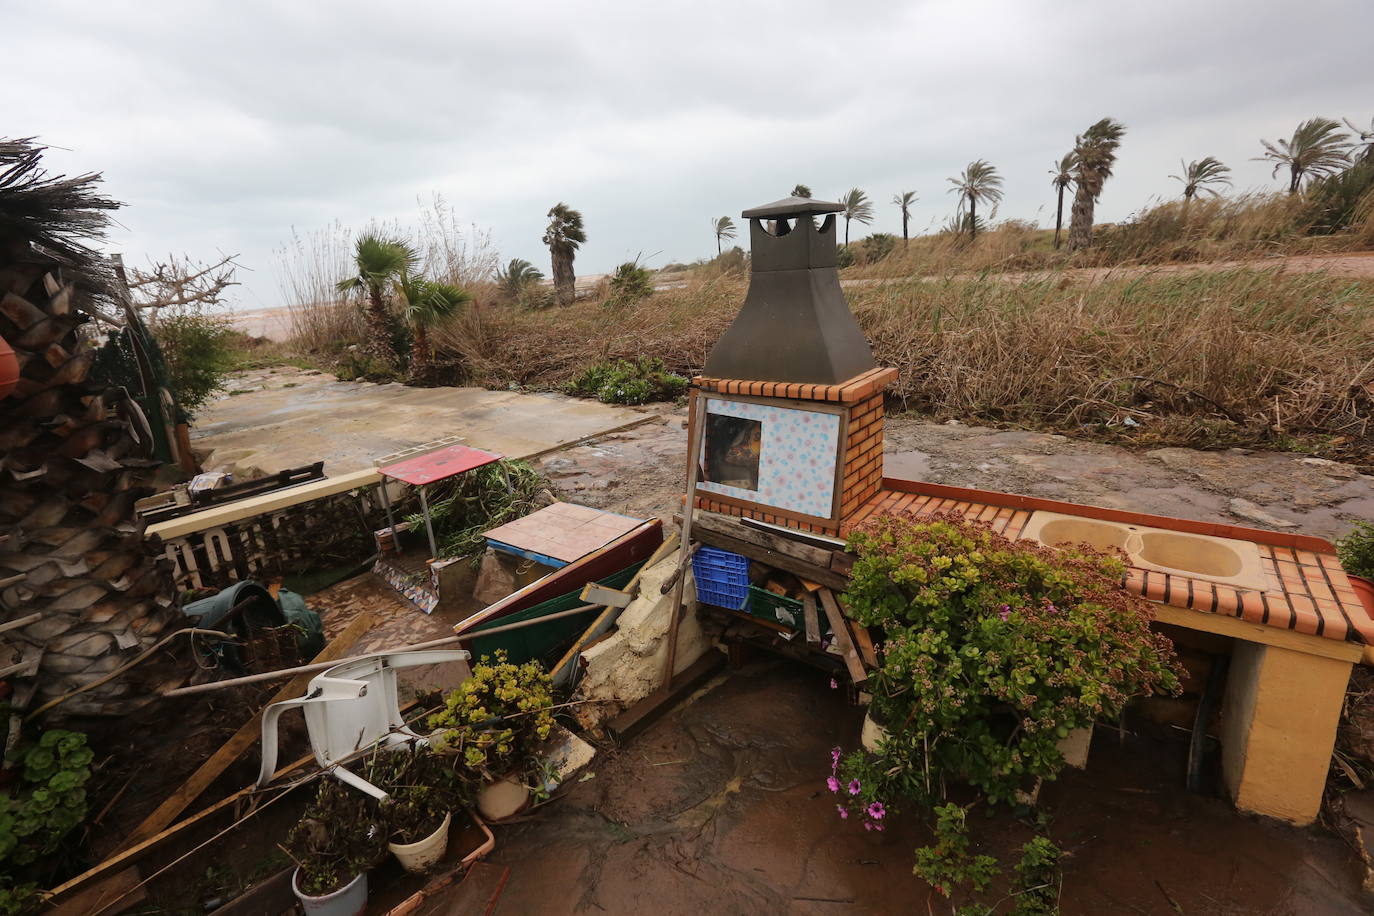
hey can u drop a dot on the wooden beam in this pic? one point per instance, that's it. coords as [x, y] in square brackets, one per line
[646, 711]
[605, 597]
[115, 894]
[840, 633]
[733, 527]
[242, 739]
[811, 620]
[770, 557]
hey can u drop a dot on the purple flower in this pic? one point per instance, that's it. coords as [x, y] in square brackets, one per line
[868, 825]
[832, 784]
[1004, 612]
[877, 811]
[878, 827]
[834, 684]
[844, 812]
[853, 787]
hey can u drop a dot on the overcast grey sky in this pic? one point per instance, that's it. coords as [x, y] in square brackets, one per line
[224, 125]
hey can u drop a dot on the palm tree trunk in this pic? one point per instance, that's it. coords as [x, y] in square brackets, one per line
[379, 327]
[905, 219]
[972, 219]
[846, 230]
[420, 365]
[564, 280]
[1058, 217]
[1081, 219]
[717, 245]
[1294, 179]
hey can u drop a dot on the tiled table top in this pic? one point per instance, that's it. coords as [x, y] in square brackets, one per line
[563, 531]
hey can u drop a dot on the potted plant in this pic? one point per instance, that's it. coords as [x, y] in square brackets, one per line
[338, 838]
[493, 723]
[1356, 552]
[424, 792]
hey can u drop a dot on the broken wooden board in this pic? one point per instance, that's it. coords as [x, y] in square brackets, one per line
[755, 550]
[840, 633]
[592, 593]
[242, 739]
[115, 894]
[647, 711]
[810, 619]
[864, 643]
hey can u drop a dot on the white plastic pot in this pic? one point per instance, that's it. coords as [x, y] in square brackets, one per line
[349, 900]
[421, 855]
[503, 798]
[872, 733]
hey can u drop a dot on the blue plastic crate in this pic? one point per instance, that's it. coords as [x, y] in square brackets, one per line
[722, 578]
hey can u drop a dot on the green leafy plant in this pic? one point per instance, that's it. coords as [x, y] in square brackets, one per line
[1036, 889]
[463, 508]
[630, 283]
[46, 802]
[994, 651]
[423, 788]
[496, 717]
[199, 350]
[1356, 550]
[948, 863]
[341, 834]
[624, 381]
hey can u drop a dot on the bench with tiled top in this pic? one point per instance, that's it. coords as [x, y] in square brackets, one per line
[1295, 640]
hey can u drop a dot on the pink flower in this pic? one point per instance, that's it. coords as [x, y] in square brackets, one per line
[834, 684]
[867, 825]
[834, 757]
[878, 827]
[877, 811]
[853, 787]
[844, 812]
[832, 784]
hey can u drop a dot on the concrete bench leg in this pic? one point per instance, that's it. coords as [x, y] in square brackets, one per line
[1279, 728]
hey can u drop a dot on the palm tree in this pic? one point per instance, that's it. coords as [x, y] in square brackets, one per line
[564, 234]
[801, 190]
[724, 229]
[979, 181]
[857, 206]
[1366, 141]
[904, 201]
[517, 275]
[1317, 147]
[428, 303]
[1095, 152]
[381, 262]
[1061, 176]
[1200, 173]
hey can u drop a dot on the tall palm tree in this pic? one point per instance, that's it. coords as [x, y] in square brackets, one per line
[1318, 147]
[1199, 174]
[1061, 176]
[979, 182]
[724, 228]
[381, 262]
[1095, 152]
[517, 275]
[1363, 148]
[428, 303]
[564, 235]
[904, 201]
[801, 190]
[857, 206]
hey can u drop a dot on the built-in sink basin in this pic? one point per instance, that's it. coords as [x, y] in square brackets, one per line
[1199, 556]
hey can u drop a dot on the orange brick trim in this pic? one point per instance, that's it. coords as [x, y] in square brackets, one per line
[851, 392]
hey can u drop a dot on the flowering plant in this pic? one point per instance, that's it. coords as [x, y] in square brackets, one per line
[855, 788]
[495, 717]
[994, 651]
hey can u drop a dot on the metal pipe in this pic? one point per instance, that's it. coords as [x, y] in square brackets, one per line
[386, 504]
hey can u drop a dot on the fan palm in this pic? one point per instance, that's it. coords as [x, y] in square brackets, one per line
[1061, 176]
[1364, 146]
[904, 201]
[1318, 147]
[724, 228]
[1095, 154]
[428, 303]
[1198, 174]
[979, 182]
[563, 236]
[857, 206]
[801, 190]
[517, 275]
[381, 262]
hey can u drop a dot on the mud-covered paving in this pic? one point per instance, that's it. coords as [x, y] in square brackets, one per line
[721, 808]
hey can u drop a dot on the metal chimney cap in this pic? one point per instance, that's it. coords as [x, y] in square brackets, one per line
[792, 206]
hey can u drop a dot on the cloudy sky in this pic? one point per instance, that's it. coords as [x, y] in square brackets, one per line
[224, 126]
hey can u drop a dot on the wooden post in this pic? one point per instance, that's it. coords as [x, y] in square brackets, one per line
[693, 464]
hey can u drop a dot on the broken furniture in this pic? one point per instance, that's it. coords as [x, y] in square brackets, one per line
[183, 500]
[415, 576]
[790, 410]
[349, 708]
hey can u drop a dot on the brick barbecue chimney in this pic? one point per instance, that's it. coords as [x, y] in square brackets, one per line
[791, 397]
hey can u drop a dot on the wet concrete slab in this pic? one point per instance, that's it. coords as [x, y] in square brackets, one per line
[721, 807]
[286, 417]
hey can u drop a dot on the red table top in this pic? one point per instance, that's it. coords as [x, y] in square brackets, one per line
[436, 466]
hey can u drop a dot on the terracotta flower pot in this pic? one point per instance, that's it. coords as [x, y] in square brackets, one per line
[1365, 589]
[349, 900]
[503, 798]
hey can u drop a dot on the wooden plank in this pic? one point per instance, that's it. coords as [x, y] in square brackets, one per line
[606, 597]
[115, 894]
[271, 895]
[769, 557]
[812, 621]
[864, 643]
[641, 715]
[732, 527]
[840, 633]
[242, 739]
